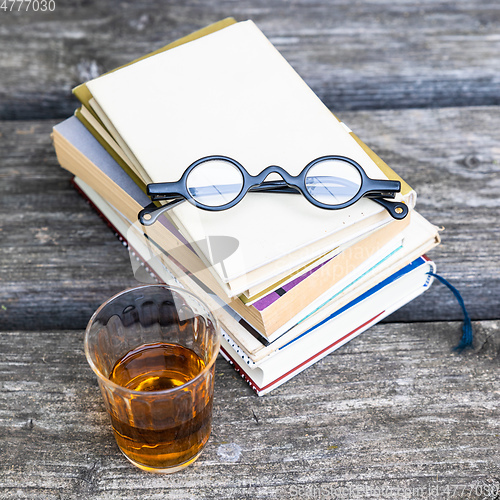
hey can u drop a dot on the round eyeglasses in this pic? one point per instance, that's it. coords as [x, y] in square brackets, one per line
[219, 182]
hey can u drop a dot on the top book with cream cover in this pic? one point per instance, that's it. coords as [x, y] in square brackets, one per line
[232, 93]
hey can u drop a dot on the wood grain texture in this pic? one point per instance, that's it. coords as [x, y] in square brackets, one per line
[451, 157]
[354, 55]
[394, 408]
[58, 261]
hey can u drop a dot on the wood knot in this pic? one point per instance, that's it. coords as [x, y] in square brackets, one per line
[471, 161]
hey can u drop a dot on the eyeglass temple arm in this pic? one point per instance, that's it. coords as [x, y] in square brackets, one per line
[377, 190]
[274, 187]
[156, 191]
[374, 187]
[397, 209]
[148, 215]
[382, 188]
[159, 191]
[388, 189]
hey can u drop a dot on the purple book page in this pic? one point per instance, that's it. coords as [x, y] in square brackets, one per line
[272, 297]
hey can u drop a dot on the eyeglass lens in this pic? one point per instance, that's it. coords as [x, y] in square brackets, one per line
[214, 183]
[333, 182]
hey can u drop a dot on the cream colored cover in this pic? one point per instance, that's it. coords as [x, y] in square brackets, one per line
[232, 93]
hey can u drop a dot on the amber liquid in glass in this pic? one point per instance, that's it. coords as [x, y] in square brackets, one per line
[161, 432]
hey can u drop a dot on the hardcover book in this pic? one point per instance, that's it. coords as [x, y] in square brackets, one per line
[207, 97]
[288, 358]
[288, 281]
[273, 312]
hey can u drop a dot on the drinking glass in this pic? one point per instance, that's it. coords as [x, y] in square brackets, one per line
[153, 349]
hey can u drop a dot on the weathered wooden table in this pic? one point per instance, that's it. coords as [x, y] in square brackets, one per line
[396, 413]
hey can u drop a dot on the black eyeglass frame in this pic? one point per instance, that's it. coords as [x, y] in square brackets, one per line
[177, 192]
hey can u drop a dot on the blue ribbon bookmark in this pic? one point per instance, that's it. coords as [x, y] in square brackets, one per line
[466, 340]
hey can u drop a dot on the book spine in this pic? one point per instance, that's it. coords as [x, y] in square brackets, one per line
[159, 280]
[242, 373]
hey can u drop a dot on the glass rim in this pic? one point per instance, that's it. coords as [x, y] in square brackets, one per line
[353, 190]
[203, 164]
[172, 390]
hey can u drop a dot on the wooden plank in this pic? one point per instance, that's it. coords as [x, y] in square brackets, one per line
[58, 261]
[354, 55]
[451, 158]
[395, 409]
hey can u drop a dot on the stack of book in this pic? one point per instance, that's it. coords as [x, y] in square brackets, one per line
[289, 282]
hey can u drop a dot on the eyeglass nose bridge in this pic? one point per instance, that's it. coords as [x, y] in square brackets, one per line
[272, 169]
